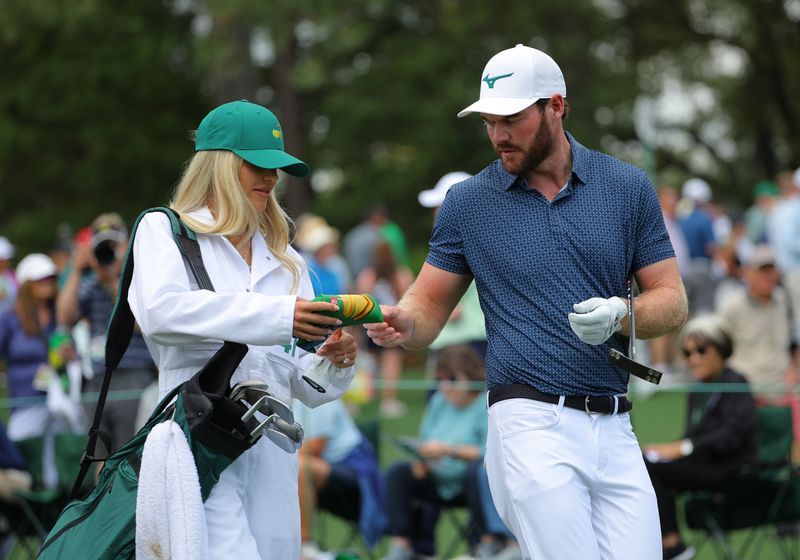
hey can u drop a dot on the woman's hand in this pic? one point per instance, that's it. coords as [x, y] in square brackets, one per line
[309, 324]
[341, 349]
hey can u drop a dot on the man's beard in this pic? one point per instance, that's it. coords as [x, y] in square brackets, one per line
[539, 149]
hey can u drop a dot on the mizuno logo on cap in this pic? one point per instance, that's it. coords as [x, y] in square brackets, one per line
[276, 133]
[490, 81]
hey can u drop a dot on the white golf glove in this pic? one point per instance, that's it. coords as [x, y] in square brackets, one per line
[596, 319]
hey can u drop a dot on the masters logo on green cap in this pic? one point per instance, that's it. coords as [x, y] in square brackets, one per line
[251, 132]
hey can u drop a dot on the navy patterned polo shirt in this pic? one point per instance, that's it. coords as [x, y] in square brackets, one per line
[533, 259]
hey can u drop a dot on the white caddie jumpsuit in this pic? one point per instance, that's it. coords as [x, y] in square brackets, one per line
[253, 511]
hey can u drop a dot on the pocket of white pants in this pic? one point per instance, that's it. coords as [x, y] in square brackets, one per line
[517, 416]
[625, 425]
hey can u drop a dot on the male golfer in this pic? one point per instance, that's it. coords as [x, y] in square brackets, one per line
[551, 232]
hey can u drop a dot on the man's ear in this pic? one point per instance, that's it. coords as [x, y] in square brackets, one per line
[557, 104]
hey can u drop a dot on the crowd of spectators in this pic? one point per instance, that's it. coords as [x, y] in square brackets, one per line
[741, 272]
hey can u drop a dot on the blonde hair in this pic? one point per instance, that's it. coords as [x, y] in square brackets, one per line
[211, 178]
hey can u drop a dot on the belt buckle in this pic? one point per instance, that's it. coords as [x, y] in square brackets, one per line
[586, 405]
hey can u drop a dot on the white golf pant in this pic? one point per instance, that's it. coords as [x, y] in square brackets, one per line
[571, 485]
[253, 511]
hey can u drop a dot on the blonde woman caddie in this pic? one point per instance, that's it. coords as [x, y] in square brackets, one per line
[261, 298]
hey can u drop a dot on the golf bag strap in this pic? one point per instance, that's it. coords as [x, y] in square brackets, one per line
[120, 325]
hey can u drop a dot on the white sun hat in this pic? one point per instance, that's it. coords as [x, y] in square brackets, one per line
[433, 198]
[515, 79]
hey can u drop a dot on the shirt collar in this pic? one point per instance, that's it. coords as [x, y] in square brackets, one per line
[202, 215]
[578, 175]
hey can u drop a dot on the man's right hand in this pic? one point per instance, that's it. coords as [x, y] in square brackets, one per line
[397, 327]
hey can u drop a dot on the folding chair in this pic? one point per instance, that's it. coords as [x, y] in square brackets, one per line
[459, 519]
[757, 501]
[39, 507]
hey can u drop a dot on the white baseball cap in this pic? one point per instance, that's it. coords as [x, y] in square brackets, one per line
[6, 249]
[515, 79]
[36, 266]
[433, 198]
[697, 190]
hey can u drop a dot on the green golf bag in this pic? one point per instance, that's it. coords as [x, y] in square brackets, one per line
[102, 526]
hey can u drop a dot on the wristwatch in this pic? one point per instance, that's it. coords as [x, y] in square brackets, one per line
[686, 447]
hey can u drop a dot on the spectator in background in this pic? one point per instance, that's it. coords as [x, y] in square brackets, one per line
[765, 195]
[8, 282]
[339, 472]
[319, 243]
[394, 236]
[387, 282]
[783, 229]
[359, 243]
[730, 256]
[25, 332]
[92, 298]
[720, 435]
[452, 435]
[466, 324]
[662, 349]
[759, 320]
[14, 477]
[698, 230]
[61, 252]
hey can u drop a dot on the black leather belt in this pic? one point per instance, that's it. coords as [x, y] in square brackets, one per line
[602, 405]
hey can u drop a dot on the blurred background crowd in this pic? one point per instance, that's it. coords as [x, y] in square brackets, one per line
[95, 114]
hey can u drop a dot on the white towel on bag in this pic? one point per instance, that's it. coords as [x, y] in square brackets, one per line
[170, 519]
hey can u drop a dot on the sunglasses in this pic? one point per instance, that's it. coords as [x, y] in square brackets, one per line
[699, 350]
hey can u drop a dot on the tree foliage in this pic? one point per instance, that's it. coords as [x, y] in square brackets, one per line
[96, 103]
[98, 96]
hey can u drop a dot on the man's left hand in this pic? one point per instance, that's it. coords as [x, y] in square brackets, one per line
[596, 319]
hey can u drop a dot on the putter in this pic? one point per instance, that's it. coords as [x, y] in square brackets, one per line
[627, 363]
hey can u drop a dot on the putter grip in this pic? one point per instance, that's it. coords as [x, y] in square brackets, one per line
[354, 309]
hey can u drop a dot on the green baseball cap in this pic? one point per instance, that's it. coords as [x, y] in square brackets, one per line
[251, 132]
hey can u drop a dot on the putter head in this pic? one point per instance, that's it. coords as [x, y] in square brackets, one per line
[641, 371]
